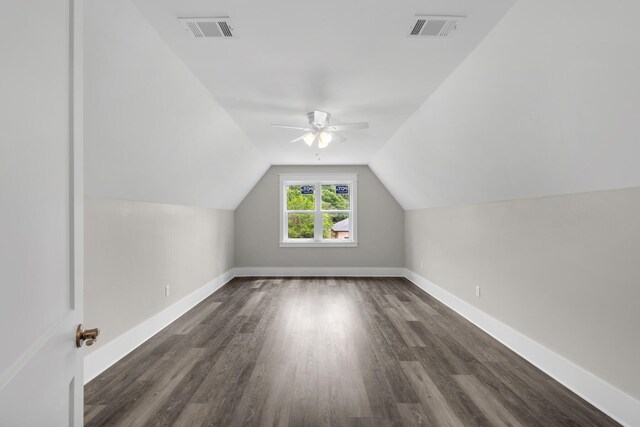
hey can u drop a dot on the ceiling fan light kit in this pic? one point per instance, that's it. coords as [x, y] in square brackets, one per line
[309, 138]
[325, 139]
[319, 129]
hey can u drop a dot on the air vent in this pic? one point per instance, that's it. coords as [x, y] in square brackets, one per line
[434, 26]
[204, 28]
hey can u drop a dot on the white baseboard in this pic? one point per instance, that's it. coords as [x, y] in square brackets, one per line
[610, 400]
[108, 354]
[320, 271]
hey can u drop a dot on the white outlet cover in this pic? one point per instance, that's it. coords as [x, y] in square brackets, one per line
[166, 291]
[478, 291]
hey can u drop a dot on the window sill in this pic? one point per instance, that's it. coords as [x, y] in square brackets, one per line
[318, 244]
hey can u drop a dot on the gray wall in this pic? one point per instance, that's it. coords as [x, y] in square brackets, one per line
[380, 226]
[134, 249]
[562, 270]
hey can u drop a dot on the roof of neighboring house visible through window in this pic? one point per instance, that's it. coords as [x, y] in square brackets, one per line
[341, 225]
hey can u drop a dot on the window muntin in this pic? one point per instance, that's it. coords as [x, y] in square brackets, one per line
[318, 210]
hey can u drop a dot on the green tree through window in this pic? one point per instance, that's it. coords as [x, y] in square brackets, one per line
[332, 201]
[301, 225]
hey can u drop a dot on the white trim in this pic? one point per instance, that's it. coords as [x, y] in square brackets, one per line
[76, 208]
[105, 356]
[610, 400]
[319, 271]
[321, 244]
[332, 178]
[108, 354]
[317, 181]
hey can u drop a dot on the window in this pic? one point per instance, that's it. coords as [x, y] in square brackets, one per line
[318, 210]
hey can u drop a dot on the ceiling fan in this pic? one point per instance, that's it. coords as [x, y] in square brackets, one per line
[320, 130]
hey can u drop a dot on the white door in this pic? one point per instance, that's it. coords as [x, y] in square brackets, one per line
[40, 212]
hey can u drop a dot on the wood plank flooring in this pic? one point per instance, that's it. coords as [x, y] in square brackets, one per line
[328, 351]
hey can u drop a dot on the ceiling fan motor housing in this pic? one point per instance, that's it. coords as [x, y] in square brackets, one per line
[318, 119]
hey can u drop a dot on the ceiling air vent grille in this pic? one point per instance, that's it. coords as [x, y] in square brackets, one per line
[435, 26]
[204, 28]
[417, 27]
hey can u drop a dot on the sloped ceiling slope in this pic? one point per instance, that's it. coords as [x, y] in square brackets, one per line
[548, 103]
[152, 130]
[349, 57]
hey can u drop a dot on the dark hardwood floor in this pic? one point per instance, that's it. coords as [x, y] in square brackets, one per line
[328, 351]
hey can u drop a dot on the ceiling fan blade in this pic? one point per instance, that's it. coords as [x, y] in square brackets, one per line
[306, 138]
[298, 138]
[290, 127]
[349, 126]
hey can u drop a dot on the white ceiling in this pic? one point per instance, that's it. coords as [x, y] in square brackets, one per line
[152, 132]
[529, 113]
[542, 105]
[350, 58]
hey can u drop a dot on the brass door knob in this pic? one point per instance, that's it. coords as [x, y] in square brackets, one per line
[88, 336]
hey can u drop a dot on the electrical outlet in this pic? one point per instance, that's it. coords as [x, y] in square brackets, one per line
[421, 264]
[478, 291]
[166, 291]
[219, 265]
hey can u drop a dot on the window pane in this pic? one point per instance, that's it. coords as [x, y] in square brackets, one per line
[300, 226]
[301, 197]
[335, 226]
[335, 197]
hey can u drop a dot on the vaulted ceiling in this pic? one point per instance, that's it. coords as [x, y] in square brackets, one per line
[525, 100]
[546, 105]
[350, 58]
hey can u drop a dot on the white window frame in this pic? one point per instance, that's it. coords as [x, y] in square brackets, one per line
[318, 180]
